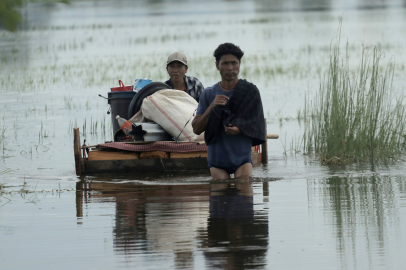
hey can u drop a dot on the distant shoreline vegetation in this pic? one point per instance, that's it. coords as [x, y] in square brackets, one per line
[10, 16]
[354, 116]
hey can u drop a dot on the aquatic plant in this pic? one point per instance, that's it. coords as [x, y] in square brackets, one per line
[28, 192]
[4, 172]
[354, 116]
[42, 133]
[2, 137]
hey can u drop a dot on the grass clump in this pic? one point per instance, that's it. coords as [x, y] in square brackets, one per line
[354, 116]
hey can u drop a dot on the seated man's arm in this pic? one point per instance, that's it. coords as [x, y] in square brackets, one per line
[200, 121]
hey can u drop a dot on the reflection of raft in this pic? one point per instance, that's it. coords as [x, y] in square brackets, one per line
[148, 156]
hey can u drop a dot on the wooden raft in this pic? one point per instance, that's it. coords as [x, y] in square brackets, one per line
[104, 161]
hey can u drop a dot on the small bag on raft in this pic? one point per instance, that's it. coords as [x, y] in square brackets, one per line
[173, 110]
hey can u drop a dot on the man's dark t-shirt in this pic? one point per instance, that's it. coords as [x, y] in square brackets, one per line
[228, 150]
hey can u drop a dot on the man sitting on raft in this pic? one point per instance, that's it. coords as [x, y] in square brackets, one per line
[231, 115]
[177, 68]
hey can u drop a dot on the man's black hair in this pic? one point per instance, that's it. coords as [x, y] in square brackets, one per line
[228, 48]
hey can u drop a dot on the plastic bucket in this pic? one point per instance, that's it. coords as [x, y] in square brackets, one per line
[119, 102]
[122, 87]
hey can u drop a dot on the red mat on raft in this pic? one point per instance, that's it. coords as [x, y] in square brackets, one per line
[156, 146]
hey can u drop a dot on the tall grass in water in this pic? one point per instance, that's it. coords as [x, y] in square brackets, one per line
[354, 116]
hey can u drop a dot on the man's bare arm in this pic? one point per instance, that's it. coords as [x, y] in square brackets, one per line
[200, 121]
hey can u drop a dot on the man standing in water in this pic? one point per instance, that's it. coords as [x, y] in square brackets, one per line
[231, 115]
[176, 66]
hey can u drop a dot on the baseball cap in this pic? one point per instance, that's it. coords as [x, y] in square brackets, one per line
[177, 56]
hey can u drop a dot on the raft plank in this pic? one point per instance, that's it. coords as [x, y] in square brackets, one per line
[112, 155]
[188, 155]
[154, 154]
[146, 165]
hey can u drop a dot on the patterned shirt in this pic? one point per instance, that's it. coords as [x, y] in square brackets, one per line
[193, 86]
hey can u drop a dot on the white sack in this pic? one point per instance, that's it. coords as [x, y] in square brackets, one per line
[138, 118]
[172, 109]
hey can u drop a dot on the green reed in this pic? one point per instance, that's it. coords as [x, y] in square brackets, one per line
[354, 116]
[28, 192]
[2, 133]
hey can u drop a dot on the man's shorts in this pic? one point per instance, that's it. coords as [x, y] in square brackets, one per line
[232, 169]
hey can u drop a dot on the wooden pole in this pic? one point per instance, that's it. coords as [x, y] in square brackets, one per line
[79, 199]
[264, 149]
[76, 150]
[272, 136]
[265, 188]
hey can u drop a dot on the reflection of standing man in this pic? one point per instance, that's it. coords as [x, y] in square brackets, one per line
[230, 112]
[237, 236]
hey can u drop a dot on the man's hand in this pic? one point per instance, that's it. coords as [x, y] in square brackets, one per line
[219, 100]
[232, 130]
[200, 121]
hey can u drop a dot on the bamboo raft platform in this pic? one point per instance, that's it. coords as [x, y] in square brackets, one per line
[143, 157]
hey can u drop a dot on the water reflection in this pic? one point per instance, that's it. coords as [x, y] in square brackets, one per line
[214, 220]
[361, 210]
[236, 235]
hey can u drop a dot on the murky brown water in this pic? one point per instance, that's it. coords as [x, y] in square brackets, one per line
[294, 214]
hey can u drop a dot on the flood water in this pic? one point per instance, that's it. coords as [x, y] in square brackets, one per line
[294, 214]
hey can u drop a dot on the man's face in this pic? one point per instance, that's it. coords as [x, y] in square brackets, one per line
[176, 70]
[229, 67]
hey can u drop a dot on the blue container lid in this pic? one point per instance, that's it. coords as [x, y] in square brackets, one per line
[140, 83]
